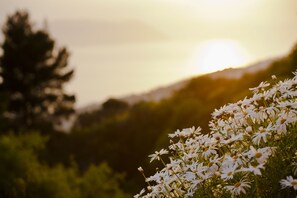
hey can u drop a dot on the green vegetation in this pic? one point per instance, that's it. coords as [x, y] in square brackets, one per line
[23, 174]
[250, 151]
[100, 155]
[33, 72]
[125, 139]
[32, 75]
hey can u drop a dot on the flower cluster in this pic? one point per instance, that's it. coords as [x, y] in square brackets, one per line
[228, 160]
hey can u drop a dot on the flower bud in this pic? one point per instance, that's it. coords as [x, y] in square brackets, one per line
[140, 169]
[249, 129]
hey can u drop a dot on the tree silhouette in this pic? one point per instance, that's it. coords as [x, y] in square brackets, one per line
[33, 73]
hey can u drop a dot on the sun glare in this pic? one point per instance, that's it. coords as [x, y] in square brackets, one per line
[216, 55]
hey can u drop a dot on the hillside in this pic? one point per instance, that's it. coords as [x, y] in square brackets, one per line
[124, 135]
[163, 92]
[237, 73]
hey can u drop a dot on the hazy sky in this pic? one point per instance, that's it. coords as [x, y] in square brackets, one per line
[120, 47]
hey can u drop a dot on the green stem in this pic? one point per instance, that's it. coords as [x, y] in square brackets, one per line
[257, 187]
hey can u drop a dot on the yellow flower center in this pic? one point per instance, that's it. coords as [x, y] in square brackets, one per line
[237, 184]
[258, 155]
[229, 174]
[235, 157]
[262, 131]
[294, 182]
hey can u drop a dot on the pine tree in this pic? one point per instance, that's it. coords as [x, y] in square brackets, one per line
[33, 73]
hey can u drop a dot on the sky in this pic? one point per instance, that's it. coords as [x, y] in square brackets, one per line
[121, 47]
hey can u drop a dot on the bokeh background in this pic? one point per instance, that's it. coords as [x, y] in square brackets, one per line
[77, 114]
[120, 47]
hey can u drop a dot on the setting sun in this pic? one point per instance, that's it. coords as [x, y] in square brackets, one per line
[215, 55]
[89, 89]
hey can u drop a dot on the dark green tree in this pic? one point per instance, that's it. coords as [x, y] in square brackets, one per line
[33, 72]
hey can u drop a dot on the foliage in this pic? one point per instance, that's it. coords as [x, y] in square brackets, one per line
[33, 72]
[100, 181]
[109, 108]
[23, 175]
[249, 151]
[118, 134]
[135, 132]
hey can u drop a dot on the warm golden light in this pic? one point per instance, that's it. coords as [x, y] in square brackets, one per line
[216, 55]
[218, 10]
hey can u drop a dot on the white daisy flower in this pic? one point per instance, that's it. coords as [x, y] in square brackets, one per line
[260, 87]
[256, 170]
[238, 187]
[207, 151]
[139, 194]
[228, 172]
[289, 182]
[261, 154]
[157, 154]
[261, 135]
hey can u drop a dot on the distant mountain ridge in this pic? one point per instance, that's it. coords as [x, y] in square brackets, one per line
[166, 91]
[163, 92]
[236, 73]
[156, 94]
